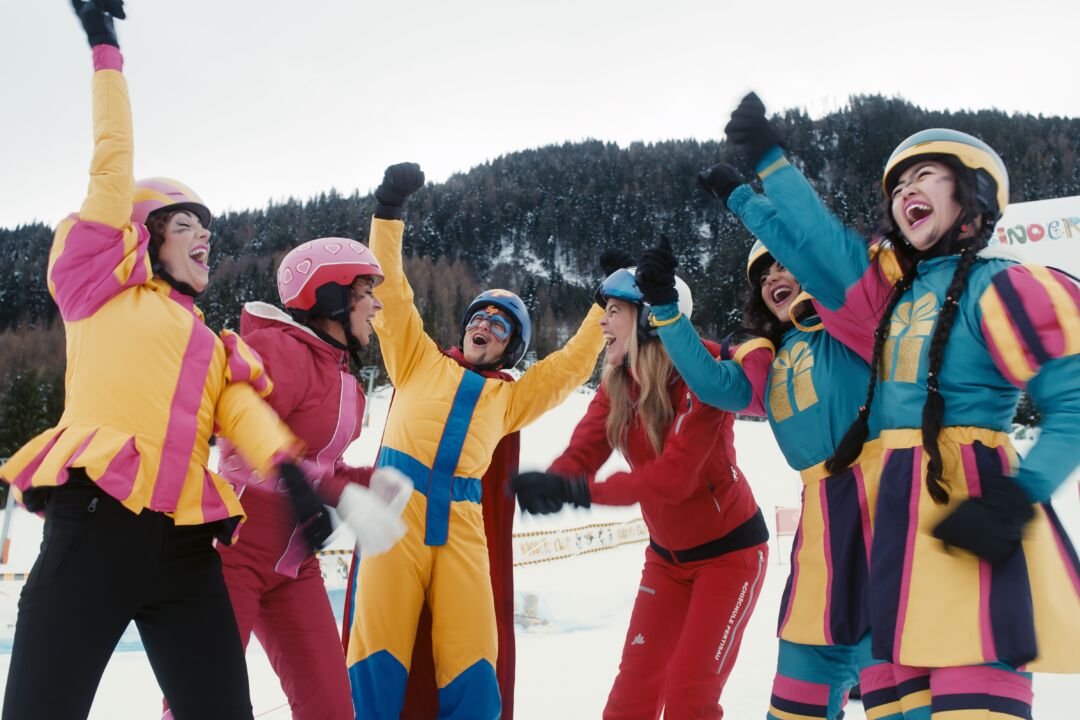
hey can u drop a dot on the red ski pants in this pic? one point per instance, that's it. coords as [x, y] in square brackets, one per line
[684, 635]
[293, 620]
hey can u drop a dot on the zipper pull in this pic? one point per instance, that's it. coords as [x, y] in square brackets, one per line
[92, 507]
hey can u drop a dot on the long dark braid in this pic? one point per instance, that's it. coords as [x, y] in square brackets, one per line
[934, 408]
[852, 443]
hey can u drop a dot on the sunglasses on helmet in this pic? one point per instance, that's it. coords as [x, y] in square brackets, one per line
[500, 327]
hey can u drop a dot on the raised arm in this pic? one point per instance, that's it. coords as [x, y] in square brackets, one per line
[97, 252]
[402, 339]
[736, 385]
[831, 261]
[549, 382]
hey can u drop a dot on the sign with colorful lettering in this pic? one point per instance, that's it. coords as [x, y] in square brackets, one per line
[1043, 231]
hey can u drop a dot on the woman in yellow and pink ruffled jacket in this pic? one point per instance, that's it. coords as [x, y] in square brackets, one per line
[131, 509]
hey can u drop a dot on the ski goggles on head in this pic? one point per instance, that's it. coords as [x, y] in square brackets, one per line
[502, 328]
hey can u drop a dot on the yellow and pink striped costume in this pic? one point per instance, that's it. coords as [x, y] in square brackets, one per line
[147, 381]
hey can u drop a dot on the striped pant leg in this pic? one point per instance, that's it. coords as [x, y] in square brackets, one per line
[890, 691]
[980, 692]
[812, 681]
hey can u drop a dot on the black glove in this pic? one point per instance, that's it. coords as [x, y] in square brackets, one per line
[310, 513]
[97, 19]
[656, 274]
[543, 492]
[992, 525]
[614, 259]
[398, 183]
[720, 181]
[749, 129]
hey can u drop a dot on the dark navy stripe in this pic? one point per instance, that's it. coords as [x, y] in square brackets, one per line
[1011, 299]
[889, 549]
[463, 489]
[1012, 616]
[1062, 536]
[849, 617]
[446, 457]
[913, 685]
[798, 708]
[981, 701]
[882, 696]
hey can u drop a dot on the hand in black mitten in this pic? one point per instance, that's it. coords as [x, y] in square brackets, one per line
[311, 514]
[992, 525]
[720, 181]
[614, 259]
[399, 182]
[750, 130]
[97, 19]
[541, 493]
[656, 274]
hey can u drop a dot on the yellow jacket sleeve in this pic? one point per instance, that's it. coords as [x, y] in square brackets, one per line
[549, 382]
[112, 180]
[98, 252]
[253, 427]
[402, 339]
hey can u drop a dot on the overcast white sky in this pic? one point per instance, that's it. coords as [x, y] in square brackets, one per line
[248, 101]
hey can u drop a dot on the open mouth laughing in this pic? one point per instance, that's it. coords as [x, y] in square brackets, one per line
[200, 255]
[781, 293]
[916, 212]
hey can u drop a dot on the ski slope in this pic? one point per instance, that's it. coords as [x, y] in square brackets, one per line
[568, 655]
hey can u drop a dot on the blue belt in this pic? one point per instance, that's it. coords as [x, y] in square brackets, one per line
[438, 483]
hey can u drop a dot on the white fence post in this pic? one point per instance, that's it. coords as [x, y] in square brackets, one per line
[9, 511]
[369, 372]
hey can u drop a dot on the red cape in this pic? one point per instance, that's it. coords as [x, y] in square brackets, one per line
[421, 692]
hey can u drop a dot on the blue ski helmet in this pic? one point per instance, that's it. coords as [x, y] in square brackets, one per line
[515, 308]
[622, 285]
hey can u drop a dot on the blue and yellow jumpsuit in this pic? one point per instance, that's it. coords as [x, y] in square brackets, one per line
[443, 426]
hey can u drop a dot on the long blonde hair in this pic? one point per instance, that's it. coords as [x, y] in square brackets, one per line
[652, 367]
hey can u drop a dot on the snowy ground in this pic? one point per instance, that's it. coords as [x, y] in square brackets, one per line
[565, 665]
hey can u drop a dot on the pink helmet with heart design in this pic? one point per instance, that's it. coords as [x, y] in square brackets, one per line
[318, 263]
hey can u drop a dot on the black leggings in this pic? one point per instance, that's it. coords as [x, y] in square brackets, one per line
[100, 567]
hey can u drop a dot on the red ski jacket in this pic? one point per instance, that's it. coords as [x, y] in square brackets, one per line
[321, 403]
[692, 493]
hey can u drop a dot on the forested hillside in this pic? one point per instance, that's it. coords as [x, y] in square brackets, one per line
[534, 221]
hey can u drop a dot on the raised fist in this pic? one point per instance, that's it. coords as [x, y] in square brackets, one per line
[750, 130]
[96, 17]
[399, 182]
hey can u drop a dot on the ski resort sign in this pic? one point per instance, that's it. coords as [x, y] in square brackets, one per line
[1043, 231]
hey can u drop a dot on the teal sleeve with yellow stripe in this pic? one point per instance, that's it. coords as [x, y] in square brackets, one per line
[801, 232]
[720, 383]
